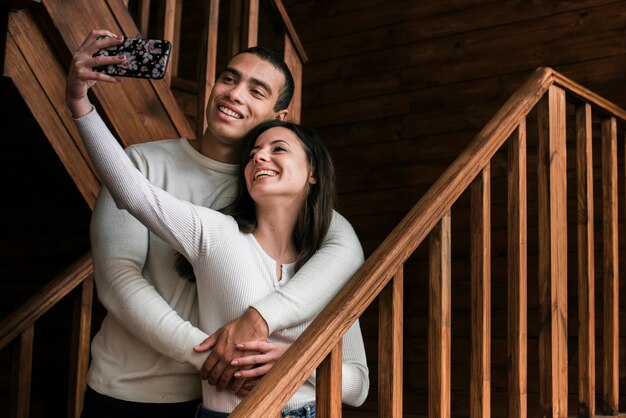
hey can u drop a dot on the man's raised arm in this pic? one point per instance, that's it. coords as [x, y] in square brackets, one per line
[119, 247]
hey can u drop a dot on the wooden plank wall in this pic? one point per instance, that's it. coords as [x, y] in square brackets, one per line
[397, 88]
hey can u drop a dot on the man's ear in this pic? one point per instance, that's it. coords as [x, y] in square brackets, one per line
[282, 115]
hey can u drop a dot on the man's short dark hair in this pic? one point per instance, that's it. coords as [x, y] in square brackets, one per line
[286, 92]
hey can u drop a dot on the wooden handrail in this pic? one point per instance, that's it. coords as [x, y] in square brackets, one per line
[585, 95]
[328, 328]
[26, 315]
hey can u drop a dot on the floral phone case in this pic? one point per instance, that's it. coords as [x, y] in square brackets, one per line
[146, 58]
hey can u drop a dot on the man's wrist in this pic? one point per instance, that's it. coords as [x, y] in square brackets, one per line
[257, 322]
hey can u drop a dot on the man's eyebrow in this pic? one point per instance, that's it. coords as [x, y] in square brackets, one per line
[253, 80]
[261, 84]
[230, 70]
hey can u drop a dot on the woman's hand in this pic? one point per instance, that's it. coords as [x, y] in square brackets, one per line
[81, 76]
[261, 363]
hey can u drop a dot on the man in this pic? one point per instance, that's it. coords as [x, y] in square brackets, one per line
[146, 358]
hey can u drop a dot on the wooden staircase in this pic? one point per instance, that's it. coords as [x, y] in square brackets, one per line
[138, 112]
[39, 42]
[547, 95]
[40, 37]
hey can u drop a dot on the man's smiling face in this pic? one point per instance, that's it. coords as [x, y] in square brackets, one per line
[243, 96]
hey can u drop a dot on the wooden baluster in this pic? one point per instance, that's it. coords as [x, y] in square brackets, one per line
[293, 61]
[295, 57]
[439, 316]
[234, 27]
[178, 17]
[207, 62]
[144, 17]
[243, 28]
[610, 387]
[328, 385]
[250, 27]
[586, 280]
[390, 330]
[517, 274]
[552, 253]
[79, 358]
[169, 27]
[22, 370]
[480, 387]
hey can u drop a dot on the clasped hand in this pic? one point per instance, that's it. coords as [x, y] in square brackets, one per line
[240, 355]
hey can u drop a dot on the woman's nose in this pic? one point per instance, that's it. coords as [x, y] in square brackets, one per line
[260, 156]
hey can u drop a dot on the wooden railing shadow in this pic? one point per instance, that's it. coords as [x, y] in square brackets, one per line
[545, 92]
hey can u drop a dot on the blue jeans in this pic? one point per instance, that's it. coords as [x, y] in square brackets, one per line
[307, 411]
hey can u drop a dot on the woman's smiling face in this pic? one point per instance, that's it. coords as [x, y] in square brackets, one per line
[278, 166]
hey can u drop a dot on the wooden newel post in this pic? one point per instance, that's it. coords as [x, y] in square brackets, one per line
[586, 249]
[480, 387]
[390, 328]
[610, 262]
[81, 337]
[328, 385]
[517, 274]
[439, 315]
[552, 178]
[22, 373]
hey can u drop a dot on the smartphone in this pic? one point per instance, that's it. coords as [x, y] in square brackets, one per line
[146, 58]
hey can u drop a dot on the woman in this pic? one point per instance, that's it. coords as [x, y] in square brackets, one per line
[281, 213]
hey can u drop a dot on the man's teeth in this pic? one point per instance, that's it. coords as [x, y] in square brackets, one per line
[229, 112]
[264, 173]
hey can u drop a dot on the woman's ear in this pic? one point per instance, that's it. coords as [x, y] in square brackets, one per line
[312, 179]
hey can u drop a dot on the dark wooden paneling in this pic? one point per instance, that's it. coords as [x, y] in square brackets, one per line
[397, 89]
